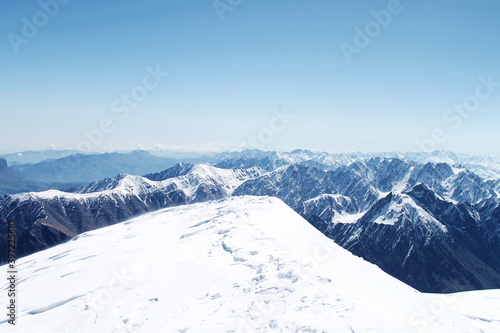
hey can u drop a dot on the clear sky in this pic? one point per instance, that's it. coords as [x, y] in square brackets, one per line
[69, 67]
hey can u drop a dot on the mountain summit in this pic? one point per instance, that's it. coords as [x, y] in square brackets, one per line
[242, 264]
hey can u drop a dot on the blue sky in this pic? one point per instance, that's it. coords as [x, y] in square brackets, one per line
[226, 78]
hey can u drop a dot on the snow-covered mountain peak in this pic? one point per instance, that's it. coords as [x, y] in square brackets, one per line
[402, 209]
[183, 176]
[243, 264]
[226, 179]
[180, 169]
[134, 184]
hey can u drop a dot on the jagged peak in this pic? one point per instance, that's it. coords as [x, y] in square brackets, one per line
[423, 193]
[395, 208]
[177, 170]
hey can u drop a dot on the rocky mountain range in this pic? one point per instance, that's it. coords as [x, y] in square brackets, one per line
[239, 264]
[429, 220]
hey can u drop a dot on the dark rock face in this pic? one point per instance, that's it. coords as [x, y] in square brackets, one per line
[433, 245]
[42, 223]
[32, 234]
[298, 183]
[3, 165]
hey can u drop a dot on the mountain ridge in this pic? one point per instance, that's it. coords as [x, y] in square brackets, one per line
[439, 216]
[240, 264]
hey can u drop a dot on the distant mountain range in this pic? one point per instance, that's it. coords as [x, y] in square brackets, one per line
[11, 182]
[486, 167]
[35, 156]
[72, 170]
[428, 219]
[86, 168]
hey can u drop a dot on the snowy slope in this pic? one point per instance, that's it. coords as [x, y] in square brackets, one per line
[244, 264]
[51, 217]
